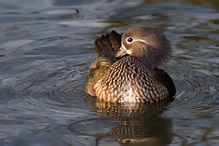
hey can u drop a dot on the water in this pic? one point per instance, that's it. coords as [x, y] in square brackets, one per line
[46, 47]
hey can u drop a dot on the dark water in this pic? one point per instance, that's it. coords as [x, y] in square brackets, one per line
[46, 47]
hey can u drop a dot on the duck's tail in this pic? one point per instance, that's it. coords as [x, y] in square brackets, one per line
[108, 45]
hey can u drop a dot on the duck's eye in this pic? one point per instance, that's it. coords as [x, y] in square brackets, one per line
[129, 40]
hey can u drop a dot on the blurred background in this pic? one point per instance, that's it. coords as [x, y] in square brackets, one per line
[46, 48]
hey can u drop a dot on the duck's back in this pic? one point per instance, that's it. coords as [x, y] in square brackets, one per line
[128, 80]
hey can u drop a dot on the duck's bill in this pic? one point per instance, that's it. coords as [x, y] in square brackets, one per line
[121, 52]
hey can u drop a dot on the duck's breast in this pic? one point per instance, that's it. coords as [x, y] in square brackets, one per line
[128, 80]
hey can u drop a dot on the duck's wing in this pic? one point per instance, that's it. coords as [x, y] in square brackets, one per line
[106, 46]
[163, 78]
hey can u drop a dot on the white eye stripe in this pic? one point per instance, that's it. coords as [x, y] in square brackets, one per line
[137, 40]
[140, 40]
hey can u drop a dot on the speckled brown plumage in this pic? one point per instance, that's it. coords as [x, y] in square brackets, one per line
[133, 83]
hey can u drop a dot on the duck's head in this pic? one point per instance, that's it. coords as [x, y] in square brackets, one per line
[147, 44]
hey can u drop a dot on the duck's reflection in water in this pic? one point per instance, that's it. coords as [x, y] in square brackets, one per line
[139, 123]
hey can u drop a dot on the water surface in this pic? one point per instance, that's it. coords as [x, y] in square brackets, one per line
[46, 47]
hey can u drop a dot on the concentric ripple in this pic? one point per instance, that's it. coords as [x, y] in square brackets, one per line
[45, 52]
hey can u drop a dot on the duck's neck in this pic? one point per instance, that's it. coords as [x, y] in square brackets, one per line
[149, 62]
[145, 61]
